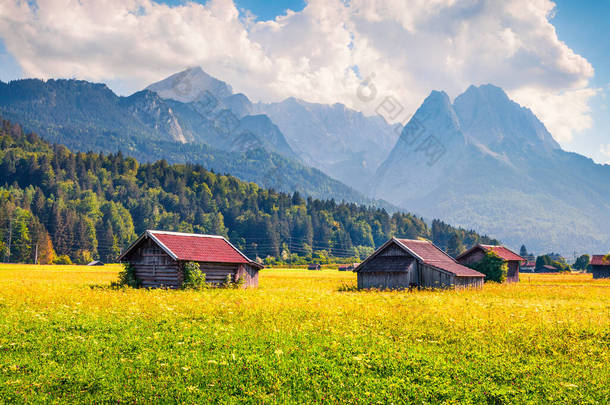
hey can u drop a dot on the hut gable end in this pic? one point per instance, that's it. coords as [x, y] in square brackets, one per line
[391, 258]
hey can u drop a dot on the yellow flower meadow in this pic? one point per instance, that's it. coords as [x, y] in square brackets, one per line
[301, 337]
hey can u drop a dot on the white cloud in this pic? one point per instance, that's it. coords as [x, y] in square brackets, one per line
[605, 150]
[563, 113]
[411, 46]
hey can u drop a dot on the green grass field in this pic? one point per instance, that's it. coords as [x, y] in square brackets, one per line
[298, 338]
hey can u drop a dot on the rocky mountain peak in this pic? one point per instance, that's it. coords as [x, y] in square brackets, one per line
[189, 85]
[489, 117]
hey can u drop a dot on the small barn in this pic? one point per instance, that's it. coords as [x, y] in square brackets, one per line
[406, 263]
[314, 267]
[547, 268]
[348, 267]
[600, 266]
[95, 263]
[476, 253]
[158, 258]
[528, 267]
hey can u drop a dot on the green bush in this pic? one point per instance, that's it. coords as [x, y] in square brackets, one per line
[492, 265]
[194, 279]
[62, 259]
[127, 277]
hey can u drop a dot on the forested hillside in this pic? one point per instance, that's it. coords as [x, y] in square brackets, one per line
[89, 116]
[56, 203]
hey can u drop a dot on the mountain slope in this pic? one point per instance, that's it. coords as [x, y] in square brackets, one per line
[501, 172]
[343, 143]
[86, 116]
[88, 205]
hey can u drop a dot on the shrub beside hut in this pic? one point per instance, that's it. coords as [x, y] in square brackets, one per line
[479, 254]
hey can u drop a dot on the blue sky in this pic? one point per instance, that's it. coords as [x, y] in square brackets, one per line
[581, 25]
[263, 9]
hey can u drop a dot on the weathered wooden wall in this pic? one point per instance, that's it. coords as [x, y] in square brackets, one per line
[392, 268]
[435, 278]
[216, 273]
[249, 274]
[513, 271]
[468, 282]
[600, 271]
[385, 280]
[473, 257]
[155, 268]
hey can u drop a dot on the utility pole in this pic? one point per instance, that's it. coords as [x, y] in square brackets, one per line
[36, 254]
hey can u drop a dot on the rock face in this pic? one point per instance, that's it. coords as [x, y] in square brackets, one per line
[151, 111]
[492, 165]
[341, 142]
[189, 85]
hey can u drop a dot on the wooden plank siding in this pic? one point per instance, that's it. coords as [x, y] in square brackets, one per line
[392, 268]
[513, 271]
[154, 268]
[600, 271]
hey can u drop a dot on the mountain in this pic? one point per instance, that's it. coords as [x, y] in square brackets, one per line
[89, 117]
[343, 143]
[189, 85]
[485, 162]
[88, 205]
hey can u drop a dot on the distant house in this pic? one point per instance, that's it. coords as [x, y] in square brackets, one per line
[478, 252]
[95, 263]
[314, 267]
[158, 259]
[528, 267]
[348, 267]
[547, 268]
[405, 263]
[600, 266]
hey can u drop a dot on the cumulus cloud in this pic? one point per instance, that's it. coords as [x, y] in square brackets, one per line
[605, 150]
[320, 54]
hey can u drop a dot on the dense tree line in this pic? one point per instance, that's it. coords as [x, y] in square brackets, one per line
[59, 205]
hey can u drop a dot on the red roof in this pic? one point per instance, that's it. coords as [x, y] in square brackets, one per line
[503, 252]
[435, 257]
[196, 248]
[600, 260]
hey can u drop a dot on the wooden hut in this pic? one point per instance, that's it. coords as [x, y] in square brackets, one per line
[547, 268]
[314, 267]
[348, 267]
[600, 266]
[528, 267]
[158, 258]
[405, 263]
[477, 253]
